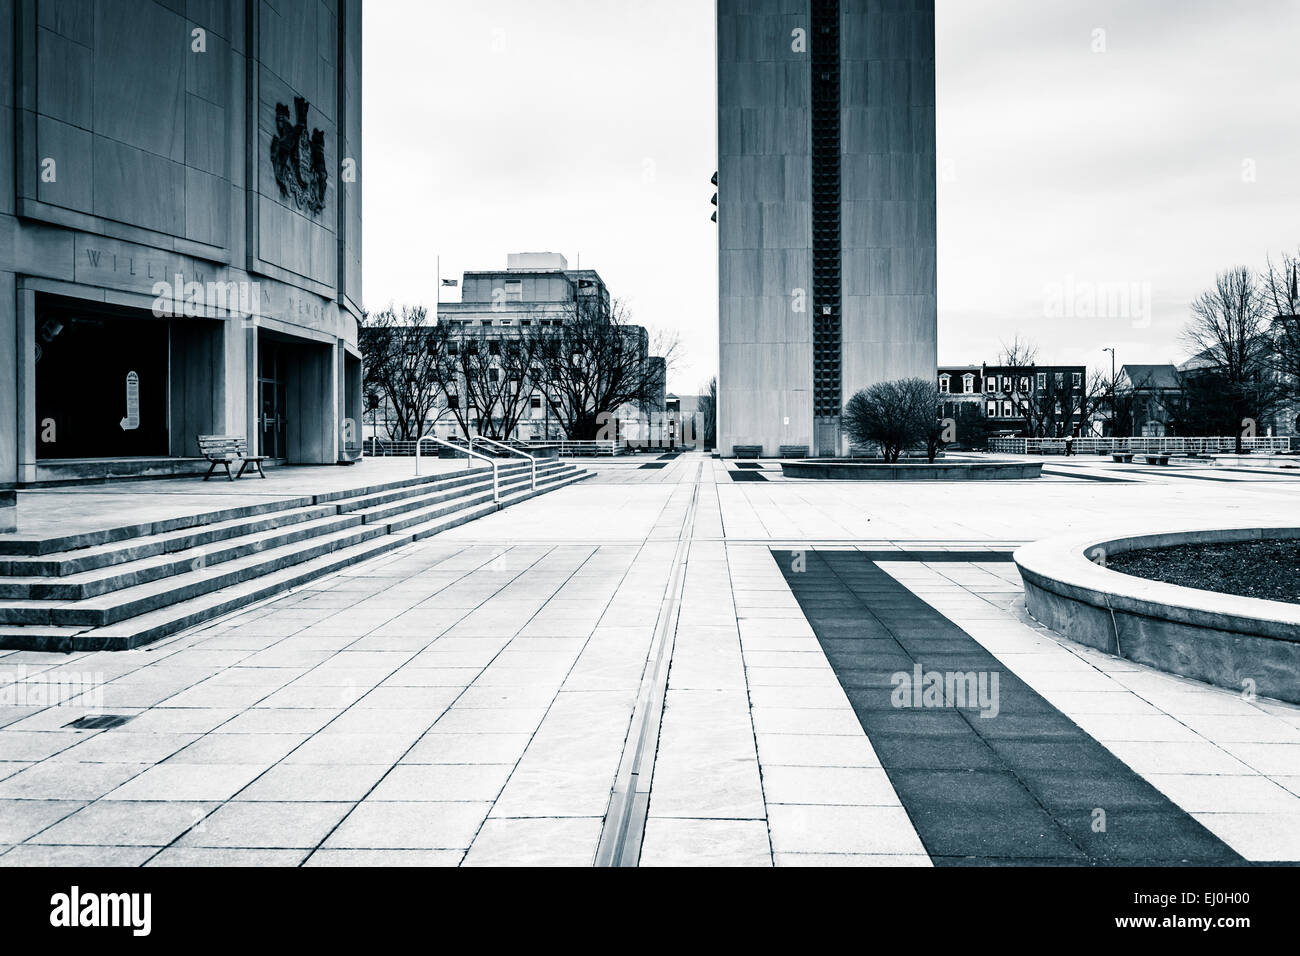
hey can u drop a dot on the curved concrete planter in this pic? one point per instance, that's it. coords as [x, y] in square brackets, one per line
[842, 470]
[1218, 638]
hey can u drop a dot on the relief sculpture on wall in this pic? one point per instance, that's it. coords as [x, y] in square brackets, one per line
[298, 158]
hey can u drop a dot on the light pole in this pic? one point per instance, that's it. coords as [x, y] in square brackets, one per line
[1111, 350]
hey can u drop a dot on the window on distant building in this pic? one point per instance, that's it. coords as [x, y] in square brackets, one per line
[453, 401]
[453, 348]
[535, 402]
[494, 347]
[990, 383]
[1024, 383]
[967, 383]
[1042, 381]
[514, 290]
[992, 409]
[1060, 380]
[1008, 410]
[943, 382]
[1077, 379]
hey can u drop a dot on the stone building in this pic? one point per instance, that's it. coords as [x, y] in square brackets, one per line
[538, 290]
[826, 212]
[180, 232]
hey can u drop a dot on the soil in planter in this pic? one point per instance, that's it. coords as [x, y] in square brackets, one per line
[1267, 569]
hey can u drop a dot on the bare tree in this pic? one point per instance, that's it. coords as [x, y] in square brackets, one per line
[398, 369]
[1050, 408]
[596, 361]
[1232, 350]
[895, 416]
[486, 373]
[1282, 293]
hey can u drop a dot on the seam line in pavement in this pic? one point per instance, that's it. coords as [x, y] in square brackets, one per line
[629, 804]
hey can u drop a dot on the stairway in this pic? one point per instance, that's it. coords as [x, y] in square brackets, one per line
[121, 588]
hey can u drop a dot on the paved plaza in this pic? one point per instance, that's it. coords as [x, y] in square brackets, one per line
[668, 664]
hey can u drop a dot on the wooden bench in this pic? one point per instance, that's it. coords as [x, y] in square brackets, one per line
[792, 451]
[224, 450]
[747, 451]
[1156, 459]
[1122, 456]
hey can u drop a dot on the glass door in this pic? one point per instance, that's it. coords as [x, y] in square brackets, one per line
[272, 394]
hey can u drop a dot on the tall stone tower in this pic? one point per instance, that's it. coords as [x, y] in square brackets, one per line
[826, 212]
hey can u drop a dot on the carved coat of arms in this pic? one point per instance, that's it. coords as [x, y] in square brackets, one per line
[298, 158]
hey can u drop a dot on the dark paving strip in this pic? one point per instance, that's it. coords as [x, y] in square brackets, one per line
[1266, 473]
[934, 556]
[1088, 477]
[655, 464]
[748, 464]
[746, 476]
[1173, 472]
[1021, 787]
[668, 456]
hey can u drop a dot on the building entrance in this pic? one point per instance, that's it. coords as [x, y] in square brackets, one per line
[101, 382]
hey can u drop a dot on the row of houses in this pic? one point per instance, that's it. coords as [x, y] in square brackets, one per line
[1055, 401]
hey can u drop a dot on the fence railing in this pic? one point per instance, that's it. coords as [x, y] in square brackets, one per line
[385, 447]
[589, 448]
[1168, 445]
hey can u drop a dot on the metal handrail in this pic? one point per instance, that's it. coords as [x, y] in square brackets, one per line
[496, 478]
[514, 451]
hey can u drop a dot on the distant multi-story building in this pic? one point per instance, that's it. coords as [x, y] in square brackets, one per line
[536, 290]
[1045, 401]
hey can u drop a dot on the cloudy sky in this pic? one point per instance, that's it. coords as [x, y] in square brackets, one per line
[1099, 160]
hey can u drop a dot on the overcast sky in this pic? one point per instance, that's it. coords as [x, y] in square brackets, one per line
[1109, 151]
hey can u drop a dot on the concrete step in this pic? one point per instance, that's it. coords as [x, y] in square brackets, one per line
[81, 560]
[377, 511]
[436, 524]
[88, 584]
[149, 610]
[434, 508]
[13, 547]
[130, 601]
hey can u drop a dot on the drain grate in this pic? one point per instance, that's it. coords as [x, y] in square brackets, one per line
[99, 721]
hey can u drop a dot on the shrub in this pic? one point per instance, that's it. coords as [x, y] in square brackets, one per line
[895, 416]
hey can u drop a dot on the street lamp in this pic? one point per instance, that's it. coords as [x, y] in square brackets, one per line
[1111, 350]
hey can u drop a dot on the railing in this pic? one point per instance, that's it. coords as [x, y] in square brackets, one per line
[588, 448]
[496, 477]
[1167, 445]
[513, 451]
[599, 447]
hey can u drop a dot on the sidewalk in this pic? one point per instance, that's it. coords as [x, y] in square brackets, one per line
[467, 699]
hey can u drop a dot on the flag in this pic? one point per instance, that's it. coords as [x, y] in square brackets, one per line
[451, 282]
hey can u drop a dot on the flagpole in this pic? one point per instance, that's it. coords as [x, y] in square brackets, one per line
[438, 283]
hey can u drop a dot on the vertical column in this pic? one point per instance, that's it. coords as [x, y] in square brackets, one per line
[826, 225]
[25, 392]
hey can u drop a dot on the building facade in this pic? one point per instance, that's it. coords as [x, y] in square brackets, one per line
[180, 233]
[537, 292]
[1040, 401]
[826, 212]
